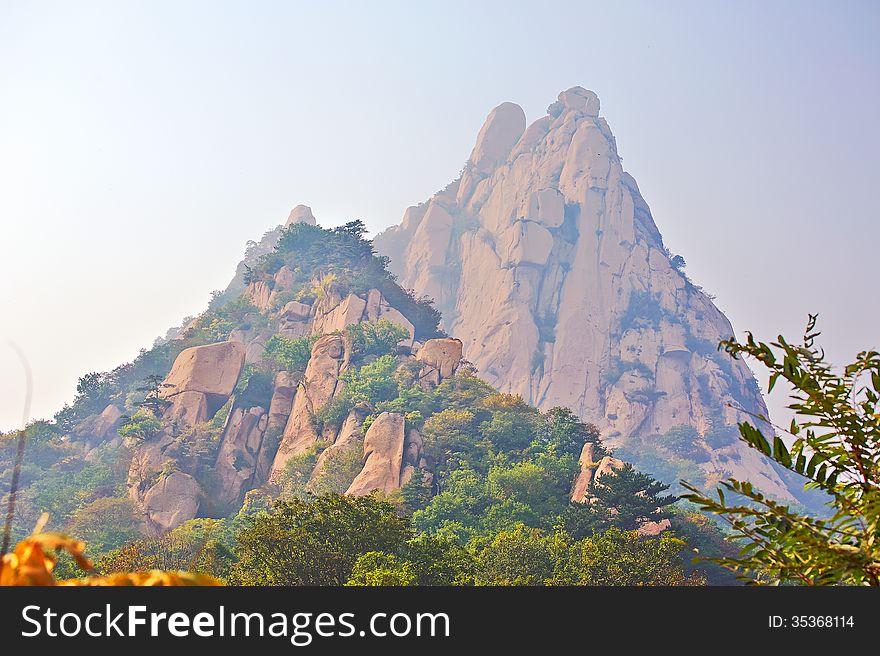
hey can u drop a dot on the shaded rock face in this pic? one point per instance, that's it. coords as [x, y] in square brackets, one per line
[545, 261]
[100, 427]
[350, 436]
[329, 357]
[201, 381]
[383, 456]
[171, 501]
[236, 468]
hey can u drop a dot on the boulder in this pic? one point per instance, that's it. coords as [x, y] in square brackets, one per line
[502, 129]
[585, 475]
[300, 214]
[607, 464]
[383, 456]
[187, 409]
[350, 436]
[260, 294]
[295, 311]
[653, 529]
[173, 500]
[212, 370]
[440, 359]
[378, 308]
[98, 428]
[284, 279]
[581, 100]
[284, 390]
[315, 390]
[350, 310]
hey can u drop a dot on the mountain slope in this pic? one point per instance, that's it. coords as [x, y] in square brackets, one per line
[546, 262]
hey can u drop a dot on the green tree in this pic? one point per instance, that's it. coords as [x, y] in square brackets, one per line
[292, 354]
[316, 542]
[508, 431]
[522, 556]
[377, 568]
[105, 523]
[836, 446]
[564, 432]
[617, 557]
[622, 499]
[141, 426]
[153, 401]
[375, 337]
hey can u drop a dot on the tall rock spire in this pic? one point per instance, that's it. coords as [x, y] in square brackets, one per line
[546, 262]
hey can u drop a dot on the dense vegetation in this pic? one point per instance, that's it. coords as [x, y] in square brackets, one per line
[490, 505]
[836, 446]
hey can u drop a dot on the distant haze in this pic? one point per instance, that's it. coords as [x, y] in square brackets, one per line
[143, 143]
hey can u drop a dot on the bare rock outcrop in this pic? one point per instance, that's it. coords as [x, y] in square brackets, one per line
[440, 360]
[350, 436]
[546, 262]
[314, 391]
[283, 393]
[334, 313]
[187, 409]
[173, 500]
[100, 427]
[212, 370]
[585, 476]
[300, 214]
[652, 529]
[236, 467]
[383, 456]
[591, 472]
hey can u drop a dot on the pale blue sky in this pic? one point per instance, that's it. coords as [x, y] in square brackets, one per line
[142, 143]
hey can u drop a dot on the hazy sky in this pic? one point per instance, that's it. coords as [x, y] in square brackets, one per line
[142, 143]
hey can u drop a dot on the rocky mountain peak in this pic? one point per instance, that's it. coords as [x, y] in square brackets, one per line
[546, 262]
[502, 129]
[301, 214]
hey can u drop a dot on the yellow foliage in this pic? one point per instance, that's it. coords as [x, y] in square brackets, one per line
[502, 401]
[33, 559]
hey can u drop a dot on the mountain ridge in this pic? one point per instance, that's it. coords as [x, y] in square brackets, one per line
[545, 260]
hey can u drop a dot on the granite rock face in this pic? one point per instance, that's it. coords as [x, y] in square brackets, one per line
[547, 264]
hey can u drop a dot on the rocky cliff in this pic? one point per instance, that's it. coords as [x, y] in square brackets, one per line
[546, 262]
[235, 415]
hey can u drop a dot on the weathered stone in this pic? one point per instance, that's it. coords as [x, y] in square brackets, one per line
[548, 266]
[235, 468]
[441, 358]
[98, 428]
[259, 293]
[187, 409]
[212, 369]
[300, 214]
[315, 390]
[383, 456]
[585, 476]
[284, 390]
[172, 501]
[653, 529]
[295, 312]
[350, 310]
[502, 129]
[350, 436]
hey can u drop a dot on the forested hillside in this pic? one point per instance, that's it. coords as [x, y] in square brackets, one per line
[314, 426]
